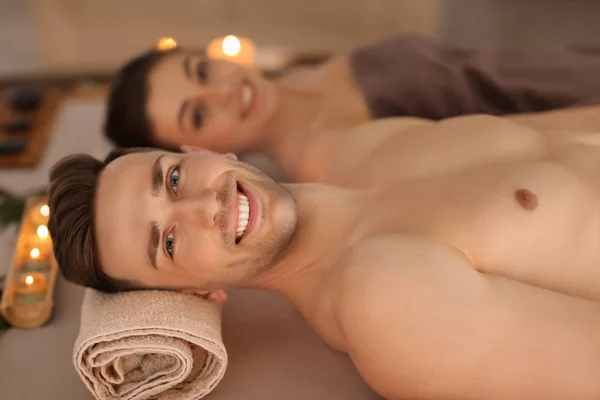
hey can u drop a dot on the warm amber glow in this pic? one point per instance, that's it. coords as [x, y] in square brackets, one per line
[34, 253]
[45, 210]
[238, 50]
[29, 280]
[42, 232]
[166, 43]
[231, 45]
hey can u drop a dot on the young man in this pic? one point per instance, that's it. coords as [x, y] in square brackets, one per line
[453, 260]
[169, 99]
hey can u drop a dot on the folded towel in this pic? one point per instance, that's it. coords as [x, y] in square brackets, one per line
[149, 344]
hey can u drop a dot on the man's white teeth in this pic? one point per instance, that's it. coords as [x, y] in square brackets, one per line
[243, 214]
[246, 95]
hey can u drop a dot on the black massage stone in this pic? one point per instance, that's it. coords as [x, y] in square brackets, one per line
[10, 147]
[25, 99]
[21, 125]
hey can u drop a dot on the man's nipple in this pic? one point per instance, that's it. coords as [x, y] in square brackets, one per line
[526, 199]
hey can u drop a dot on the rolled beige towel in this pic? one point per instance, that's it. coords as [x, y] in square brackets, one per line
[149, 344]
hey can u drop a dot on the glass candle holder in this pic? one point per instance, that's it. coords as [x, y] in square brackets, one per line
[30, 265]
[35, 252]
[39, 213]
[38, 237]
[33, 283]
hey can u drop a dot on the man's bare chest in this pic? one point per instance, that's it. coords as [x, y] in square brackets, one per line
[538, 222]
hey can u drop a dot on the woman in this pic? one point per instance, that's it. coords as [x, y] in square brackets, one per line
[167, 99]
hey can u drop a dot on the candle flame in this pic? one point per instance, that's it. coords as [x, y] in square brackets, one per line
[231, 45]
[29, 280]
[166, 43]
[34, 253]
[42, 232]
[45, 210]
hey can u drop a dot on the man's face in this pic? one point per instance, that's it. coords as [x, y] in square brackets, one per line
[189, 221]
[213, 104]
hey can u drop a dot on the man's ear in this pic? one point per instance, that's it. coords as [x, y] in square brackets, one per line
[231, 156]
[218, 296]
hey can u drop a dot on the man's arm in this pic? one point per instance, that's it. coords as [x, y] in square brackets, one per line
[415, 76]
[421, 323]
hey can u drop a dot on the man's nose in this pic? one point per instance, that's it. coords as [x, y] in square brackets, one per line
[201, 209]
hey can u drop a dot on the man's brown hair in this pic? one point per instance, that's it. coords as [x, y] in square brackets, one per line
[71, 197]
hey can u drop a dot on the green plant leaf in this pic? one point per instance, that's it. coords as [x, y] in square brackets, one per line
[12, 206]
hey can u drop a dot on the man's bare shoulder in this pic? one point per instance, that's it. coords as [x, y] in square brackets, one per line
[406, 131]
[391, 295]
[393, 266]
[393, 150]
[419, 322]
[582, 118]
[394, 260]
[373, 134]
[360, 142]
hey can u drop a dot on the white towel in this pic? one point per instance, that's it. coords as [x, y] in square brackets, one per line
[149, 344]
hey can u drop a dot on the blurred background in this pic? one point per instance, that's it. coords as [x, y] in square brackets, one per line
[83, 41]
[63, 36]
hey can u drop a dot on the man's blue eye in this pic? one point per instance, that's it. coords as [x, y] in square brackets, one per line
[170, 243]
[174, 179]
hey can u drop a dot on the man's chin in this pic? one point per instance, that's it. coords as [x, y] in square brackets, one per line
[285, 237]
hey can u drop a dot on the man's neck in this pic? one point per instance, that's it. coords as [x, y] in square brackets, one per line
[328, 224]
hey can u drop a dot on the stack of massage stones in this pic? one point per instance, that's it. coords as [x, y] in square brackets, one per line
[17, 118]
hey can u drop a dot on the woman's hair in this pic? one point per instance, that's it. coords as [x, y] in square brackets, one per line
[127, 123]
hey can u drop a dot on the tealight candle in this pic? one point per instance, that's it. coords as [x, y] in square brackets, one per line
[42, 232]
[33, 283]
[232, 48]
[39, 213]
[39, 239]
[35, 253]
[166, 43]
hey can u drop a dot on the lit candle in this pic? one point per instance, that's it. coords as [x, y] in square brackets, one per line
[34, 283]
[39, 214]
[35, 253]
[42, 232]
[166, 43]
[40, 240]
[232, 48]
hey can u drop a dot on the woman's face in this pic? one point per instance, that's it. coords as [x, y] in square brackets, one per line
[214, 104]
